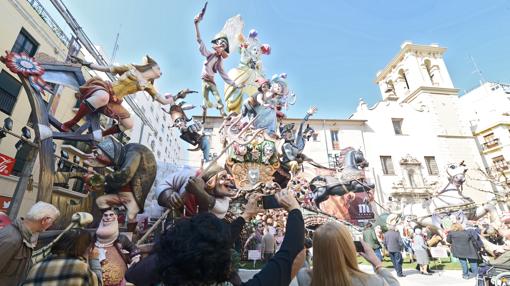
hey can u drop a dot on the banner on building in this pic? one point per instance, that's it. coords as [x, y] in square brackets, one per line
[6, 164]
[360, 208]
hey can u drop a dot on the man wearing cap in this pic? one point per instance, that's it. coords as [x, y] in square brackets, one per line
[191, 192]
[212, 65]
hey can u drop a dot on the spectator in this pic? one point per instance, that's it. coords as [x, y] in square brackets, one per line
[207, 260]
[370, 238]
[420, 250]
[268, 244]
[68, 263]
[16, 242]
[279, 237]
[464, 249]
[393, 243]
[335, 263]
[254, 241]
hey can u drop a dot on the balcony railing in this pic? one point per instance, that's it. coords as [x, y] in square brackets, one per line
[501, 167]
[39, 8]
[490, 144]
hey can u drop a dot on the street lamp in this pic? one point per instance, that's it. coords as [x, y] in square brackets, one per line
[8, 123]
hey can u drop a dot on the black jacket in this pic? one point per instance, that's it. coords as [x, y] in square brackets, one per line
[462, 245]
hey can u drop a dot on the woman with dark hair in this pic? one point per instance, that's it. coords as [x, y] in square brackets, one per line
[68, 263]
[197, 251]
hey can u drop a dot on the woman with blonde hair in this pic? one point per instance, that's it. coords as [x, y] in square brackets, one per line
[335, 263]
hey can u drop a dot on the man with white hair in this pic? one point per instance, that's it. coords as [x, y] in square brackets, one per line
[16, 243]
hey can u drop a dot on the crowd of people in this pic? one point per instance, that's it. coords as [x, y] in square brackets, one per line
[199, 250]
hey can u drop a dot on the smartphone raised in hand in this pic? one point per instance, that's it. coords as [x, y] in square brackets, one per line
[270, 202]
[359, 246]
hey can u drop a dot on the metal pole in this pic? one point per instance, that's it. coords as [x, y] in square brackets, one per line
[21, 187]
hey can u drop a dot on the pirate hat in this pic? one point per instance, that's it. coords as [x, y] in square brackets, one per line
[221, 39]
[211, 172]
[176, 112]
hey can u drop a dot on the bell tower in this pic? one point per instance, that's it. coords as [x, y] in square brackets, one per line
[418, 76]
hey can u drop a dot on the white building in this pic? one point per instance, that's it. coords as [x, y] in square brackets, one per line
[417, 129]
[164, 141]
[487, 108]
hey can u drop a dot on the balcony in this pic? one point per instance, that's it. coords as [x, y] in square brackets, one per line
[495, 170]
[490, 144]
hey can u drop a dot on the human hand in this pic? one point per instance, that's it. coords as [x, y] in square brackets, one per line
[134, 260]
[252, 208]
[287, 200]
[369, 254]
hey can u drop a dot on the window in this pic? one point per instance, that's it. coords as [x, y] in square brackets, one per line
[397, 125]
[403, 77]
[489, 137]
[430, 161]
[25, 44]
[315, 137]
[9, 90]
[489, 141]
[500, 163]
[428, 67]
[334, 140]
[387, 165]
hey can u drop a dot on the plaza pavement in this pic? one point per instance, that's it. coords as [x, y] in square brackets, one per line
[413, 277]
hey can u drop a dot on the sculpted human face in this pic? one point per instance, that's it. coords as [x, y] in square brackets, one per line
[268, 150]
[265, 87]
[109, 226]
[276, 88]
[225, 186]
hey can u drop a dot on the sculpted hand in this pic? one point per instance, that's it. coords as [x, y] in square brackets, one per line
[195, 185]
[311, 110]
[77, 60]
[175, 200]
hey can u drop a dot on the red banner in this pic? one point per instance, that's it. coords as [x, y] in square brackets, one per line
[6, 164]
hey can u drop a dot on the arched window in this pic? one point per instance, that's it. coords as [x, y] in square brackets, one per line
[390, 87]
[428, 67]
[403, 76]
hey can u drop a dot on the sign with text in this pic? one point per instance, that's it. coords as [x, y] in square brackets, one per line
[6, 164]
[360, 207]
[254, 255]
[5, 202]
[438, 252]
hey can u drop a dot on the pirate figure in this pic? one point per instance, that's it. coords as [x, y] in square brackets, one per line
[192, 133]
[106, 97]
[213, 64]
[294, 144]
[129, 184]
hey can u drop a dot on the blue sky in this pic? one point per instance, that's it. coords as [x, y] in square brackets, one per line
[331, 50]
